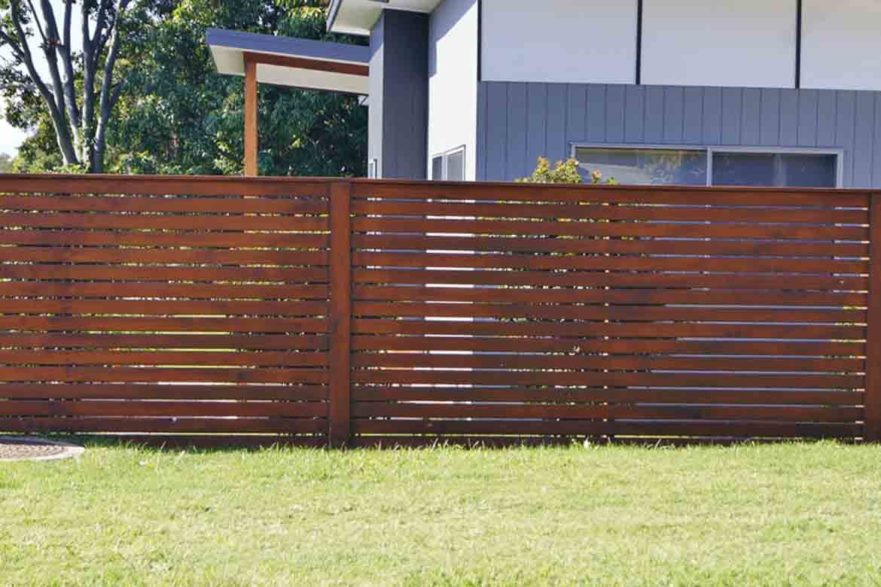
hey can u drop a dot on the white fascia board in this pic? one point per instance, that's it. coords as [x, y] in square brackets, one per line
[357, 17]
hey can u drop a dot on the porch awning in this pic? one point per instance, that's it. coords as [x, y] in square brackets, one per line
[287, 61]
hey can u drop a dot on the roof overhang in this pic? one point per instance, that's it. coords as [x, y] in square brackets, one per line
[357, 17]
[297, 63]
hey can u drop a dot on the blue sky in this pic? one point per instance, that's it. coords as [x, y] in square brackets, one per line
[10, 138]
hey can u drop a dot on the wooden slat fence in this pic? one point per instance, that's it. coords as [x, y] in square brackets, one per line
[377, 312]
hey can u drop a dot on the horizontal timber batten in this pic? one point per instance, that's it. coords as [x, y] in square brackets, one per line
[202, 311]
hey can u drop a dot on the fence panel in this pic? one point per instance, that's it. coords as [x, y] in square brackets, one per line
[364, 312]
[493, 310]
[182, 306]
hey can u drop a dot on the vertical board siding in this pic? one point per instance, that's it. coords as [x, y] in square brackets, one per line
[750, 116]
[634, 114]
[789, 103]
[496, 135]
[480, 141]
[713, 116]
[568, 114]
[693, 106]
[845, 131]
[536, 122]
[596, 114]
[517, 135]
[555, 132]
[576, 104]
[654, 114]
[674, 115]
[732, 100]
[769, 118]
[807, 118]
[864, 127]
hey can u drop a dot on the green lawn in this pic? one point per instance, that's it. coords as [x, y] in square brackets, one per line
[786, 514]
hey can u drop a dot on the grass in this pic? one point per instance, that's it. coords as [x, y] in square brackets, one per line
[769, 515]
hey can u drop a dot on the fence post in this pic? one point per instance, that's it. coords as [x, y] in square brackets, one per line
[873, 338]
[340, 313]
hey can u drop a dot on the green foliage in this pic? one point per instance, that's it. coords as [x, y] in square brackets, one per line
[562, 172]
[39, 152]
[177, 115]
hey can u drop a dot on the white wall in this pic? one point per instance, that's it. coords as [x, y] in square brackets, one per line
[568, 41]
[452, 81]
[841, 44]
[746, 43]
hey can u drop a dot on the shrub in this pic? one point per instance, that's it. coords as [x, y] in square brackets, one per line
[562, 172]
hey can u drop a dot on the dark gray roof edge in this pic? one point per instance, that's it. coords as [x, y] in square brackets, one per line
[288, 46]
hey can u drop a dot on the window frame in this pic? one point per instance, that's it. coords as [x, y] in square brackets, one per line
[444, 156]
[711, 150]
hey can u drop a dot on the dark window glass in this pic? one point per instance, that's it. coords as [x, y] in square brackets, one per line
[775, 169]
[456, 166]
[645, 166]
[746, 169]
[437, 168]
[820, 171]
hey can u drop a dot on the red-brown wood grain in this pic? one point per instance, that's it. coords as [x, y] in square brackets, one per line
[374, 313]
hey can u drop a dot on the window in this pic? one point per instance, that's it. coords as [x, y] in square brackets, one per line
[437, 168]
[449, 166]
[711, 166]
[775, 169]
[456, 165]
[647, 166]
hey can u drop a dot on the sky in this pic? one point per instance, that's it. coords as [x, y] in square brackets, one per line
[10, 138]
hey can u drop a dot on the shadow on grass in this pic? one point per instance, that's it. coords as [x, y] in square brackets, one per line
[254, 443]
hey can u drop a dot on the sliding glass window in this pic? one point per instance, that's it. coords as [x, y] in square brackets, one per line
[710, 166]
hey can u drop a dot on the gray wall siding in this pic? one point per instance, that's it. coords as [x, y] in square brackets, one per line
[398, 120]
[518, 122]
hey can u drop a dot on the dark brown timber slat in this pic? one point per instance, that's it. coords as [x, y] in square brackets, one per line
[166, 342]
[185, 239]
[163, 222]
[582, 279]
[659, 213]
[575, 395]
[536, 245]
[165, 274]
[137, 391]
[598, 229]
[258, 311]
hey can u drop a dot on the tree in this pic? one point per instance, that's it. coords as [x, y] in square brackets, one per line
[78, 90]
[177, 115]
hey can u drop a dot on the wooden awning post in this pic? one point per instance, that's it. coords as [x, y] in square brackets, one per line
[251, 138]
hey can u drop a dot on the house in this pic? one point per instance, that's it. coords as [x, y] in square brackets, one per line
[755, 92]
